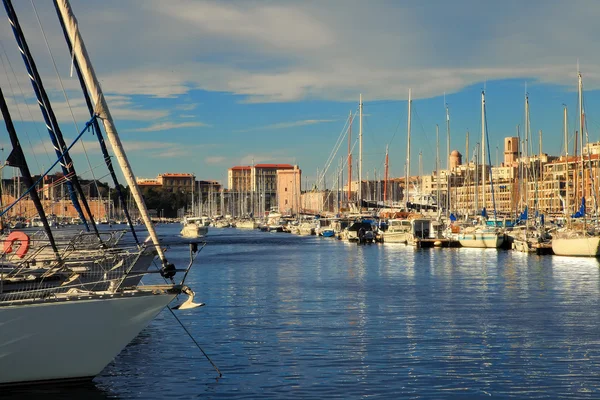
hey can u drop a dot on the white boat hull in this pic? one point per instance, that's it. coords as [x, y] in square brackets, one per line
[193, 230]
[396, 237]
[246, 225]
[72, 339]
[577, 246]
[482, 240]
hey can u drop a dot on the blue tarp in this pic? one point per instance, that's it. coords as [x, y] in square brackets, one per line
[524, 215]
[581, 212]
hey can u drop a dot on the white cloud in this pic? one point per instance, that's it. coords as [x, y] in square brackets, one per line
[215, 160]
[286, 125]
[165, 126]
[277, 156]
[288, 51]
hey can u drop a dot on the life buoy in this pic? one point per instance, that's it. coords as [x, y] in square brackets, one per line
[20, 237]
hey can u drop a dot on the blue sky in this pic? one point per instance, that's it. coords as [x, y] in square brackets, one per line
[200, 86]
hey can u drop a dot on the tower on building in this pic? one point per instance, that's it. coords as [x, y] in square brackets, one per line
[455, 160]
[511, 150]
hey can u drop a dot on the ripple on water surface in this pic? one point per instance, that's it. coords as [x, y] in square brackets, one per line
[308, 317]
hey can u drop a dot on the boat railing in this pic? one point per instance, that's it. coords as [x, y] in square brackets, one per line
[106, 270]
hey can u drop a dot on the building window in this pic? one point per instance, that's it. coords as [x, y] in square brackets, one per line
[286, 191]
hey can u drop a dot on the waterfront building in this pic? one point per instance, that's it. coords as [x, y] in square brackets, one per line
[288, 190]
[254, 188]
[373, 190]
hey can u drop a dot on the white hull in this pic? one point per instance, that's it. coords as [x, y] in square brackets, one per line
[72, 339]
[482, 240]
[395, 237]
[577, 246]
[193, 230]
[246, 225]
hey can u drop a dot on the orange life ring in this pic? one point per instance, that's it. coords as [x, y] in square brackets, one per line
[20, 237]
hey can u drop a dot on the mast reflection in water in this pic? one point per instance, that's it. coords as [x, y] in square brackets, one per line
[308, 317]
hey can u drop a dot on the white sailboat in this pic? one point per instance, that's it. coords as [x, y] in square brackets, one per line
[67, 332]
[579, 239]
[481, 236]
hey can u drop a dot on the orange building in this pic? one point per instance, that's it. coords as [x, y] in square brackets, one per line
[288, 190]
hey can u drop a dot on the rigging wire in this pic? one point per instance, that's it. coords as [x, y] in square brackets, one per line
[19, 108]
[64, 92]
[335, 149]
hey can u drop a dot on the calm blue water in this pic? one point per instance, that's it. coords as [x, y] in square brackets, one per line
[308, 317]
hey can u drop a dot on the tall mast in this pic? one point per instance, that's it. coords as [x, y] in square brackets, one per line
[483, 169]
[101, 142]
[102, 110]
[49, 118]
[540, 176]
[387, 164]
[408, 151]
[421, 171]
[17, 159]
[581, 122]
[448, 176]
[468, 168]
[437, 166]
[360, 140]
[567, 178]
[527, 132]
[350, 158]
[193, 194]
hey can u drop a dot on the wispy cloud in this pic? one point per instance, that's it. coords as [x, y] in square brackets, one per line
[286, 125]
[276, 156]
[186, 106]
[165, 126]
[215, 160]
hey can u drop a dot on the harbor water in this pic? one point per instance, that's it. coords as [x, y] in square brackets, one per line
[308, 317]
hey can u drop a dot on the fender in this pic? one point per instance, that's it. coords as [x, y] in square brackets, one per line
[20, 237]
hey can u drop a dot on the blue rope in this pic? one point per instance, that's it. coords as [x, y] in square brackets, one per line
[85, 129]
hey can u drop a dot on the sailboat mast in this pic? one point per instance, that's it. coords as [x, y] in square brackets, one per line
[527, 133]
[468, 168]
[387, 165]
[437, 166]
[448, 176]
[17, 158]
[193, 184]
[360, 140]
[408, 151]
[93, 85]
[483, 166]
[96, 125]
[49, 118]
[581, 122]
[350, 158]
[567, 178]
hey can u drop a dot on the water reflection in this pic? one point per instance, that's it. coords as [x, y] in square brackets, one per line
[296, 317]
